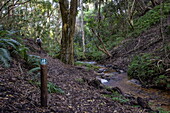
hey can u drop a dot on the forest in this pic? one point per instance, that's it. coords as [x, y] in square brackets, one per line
[97, 56]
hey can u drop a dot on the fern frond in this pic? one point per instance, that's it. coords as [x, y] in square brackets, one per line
[5, 53]
[14, 42]
[10, 44]
[3, 33]
[34, 70]
[4, 61]
[4, 57]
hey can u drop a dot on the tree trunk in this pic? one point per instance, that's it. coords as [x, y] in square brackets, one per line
[68, 14]
[130, 13]
[82, 25]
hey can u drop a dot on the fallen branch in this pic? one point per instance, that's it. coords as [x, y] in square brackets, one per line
[104, 50]
[145, 47]
[20, 68]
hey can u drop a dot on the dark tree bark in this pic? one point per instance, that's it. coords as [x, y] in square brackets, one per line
[68, 14]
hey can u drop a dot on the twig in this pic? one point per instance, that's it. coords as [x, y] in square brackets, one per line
[20, 68]
[137, 43]
[4, 5]
[149, 44]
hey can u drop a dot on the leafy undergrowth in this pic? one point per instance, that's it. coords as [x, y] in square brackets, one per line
[87, 65]
[117, 97]
[150, 71]
[52, 88]
[152, 17]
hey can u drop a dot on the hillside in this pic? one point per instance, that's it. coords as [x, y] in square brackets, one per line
[149, 41]
[19, 92]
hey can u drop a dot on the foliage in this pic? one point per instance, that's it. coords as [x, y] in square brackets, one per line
[90, 66]
[80, 80]
[162, 111]
[32, 19]
[95, 55]
[146, 69]
[36, 69]
[33, 60]
[52, 88]
[12, 48]
[34, 82]
[150, 18]
[7, 46]
[115, 96]
[33, 65]
[4, 57]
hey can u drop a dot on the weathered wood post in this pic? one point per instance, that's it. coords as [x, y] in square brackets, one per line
[44, 91]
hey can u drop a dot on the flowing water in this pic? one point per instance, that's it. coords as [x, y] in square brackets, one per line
[118, 78]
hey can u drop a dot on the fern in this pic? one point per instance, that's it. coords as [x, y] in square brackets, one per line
[5, 57]
[7, 46]
[34, 70]
[52, 88]
[9, 42]
[33, 60]
[3, 33]
[22, 51]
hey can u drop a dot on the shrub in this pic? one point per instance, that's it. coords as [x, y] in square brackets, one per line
[7, 46]
[149, 70]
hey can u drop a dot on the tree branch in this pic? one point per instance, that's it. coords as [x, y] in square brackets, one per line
[15, 7]
[101, 41]
[4, 5]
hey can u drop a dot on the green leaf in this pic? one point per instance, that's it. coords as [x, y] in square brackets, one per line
[4, 57]
[34, 70]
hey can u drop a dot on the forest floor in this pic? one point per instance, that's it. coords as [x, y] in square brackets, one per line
[82, 92]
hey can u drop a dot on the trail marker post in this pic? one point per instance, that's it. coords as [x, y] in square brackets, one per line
[44, 91]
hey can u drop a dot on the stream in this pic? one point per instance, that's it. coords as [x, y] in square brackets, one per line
[114, 77]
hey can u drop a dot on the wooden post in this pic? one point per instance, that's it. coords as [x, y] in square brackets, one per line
[43, 64]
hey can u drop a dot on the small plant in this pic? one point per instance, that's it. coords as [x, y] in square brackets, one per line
[80, 80]
[115, 96]
[33, 60]
[52, 88]
[120, 99]
[36, 69]
[161, 81]
[34, 65]
[35, 82]
[5, 57]
[162, 111]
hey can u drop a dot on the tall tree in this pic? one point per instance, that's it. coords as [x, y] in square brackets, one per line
[68, 13]
[82, 25]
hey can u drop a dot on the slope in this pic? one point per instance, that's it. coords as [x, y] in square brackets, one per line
[81, 94]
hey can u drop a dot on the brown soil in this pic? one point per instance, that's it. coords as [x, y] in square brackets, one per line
[17, 94]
